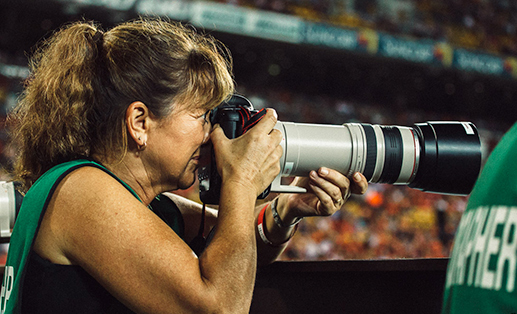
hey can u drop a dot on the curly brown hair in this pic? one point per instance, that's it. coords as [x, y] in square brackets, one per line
[82, 80]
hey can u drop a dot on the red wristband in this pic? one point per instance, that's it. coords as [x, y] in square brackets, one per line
[261, 229]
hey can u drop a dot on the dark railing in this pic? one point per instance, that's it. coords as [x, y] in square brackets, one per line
[356, 286]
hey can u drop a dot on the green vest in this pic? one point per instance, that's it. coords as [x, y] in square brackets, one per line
[27, 224]
[481, 275]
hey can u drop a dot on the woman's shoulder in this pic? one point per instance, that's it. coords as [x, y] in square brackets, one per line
[91, 183]
[77, 180]
[87, 198]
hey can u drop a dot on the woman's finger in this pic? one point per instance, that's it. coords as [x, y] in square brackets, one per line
[333, 182]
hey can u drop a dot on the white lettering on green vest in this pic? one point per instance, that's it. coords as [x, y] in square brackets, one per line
[485, 252]
[7, 286]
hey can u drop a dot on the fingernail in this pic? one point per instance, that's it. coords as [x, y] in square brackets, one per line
[324, 171]
[274, 113]
[357, 176]
[313, 174]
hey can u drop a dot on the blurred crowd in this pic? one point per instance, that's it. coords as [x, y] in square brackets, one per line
[388, 222]
[488, 25]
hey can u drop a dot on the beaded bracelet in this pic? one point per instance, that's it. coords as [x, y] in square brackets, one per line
[277, 219]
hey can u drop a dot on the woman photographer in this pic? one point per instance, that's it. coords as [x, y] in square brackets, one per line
[108, 123]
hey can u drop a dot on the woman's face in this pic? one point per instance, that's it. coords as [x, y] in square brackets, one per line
[174, 146]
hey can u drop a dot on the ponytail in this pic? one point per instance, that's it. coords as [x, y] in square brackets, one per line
[50, 124]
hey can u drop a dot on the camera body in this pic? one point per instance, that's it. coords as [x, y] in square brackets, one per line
[440, 157]
[234, 116]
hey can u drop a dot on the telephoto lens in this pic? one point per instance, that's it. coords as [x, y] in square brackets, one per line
[440, 157]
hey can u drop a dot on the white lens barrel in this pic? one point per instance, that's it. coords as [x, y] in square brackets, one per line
[385, 154]
[311, 146]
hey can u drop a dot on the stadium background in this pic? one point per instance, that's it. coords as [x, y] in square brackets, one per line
[316, 81]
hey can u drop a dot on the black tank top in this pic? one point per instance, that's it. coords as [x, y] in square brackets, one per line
[66, 289]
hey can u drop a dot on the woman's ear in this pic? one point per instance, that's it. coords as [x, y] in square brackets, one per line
[138, 121]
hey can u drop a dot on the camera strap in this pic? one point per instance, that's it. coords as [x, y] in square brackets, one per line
[249, 119]
[198, 244]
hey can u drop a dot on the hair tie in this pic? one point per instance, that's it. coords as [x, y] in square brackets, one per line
[98, 37]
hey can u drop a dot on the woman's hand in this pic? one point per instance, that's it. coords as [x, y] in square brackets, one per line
[253, 159]
[327, 190]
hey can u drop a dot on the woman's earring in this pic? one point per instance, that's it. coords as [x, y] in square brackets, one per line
[142, 146]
